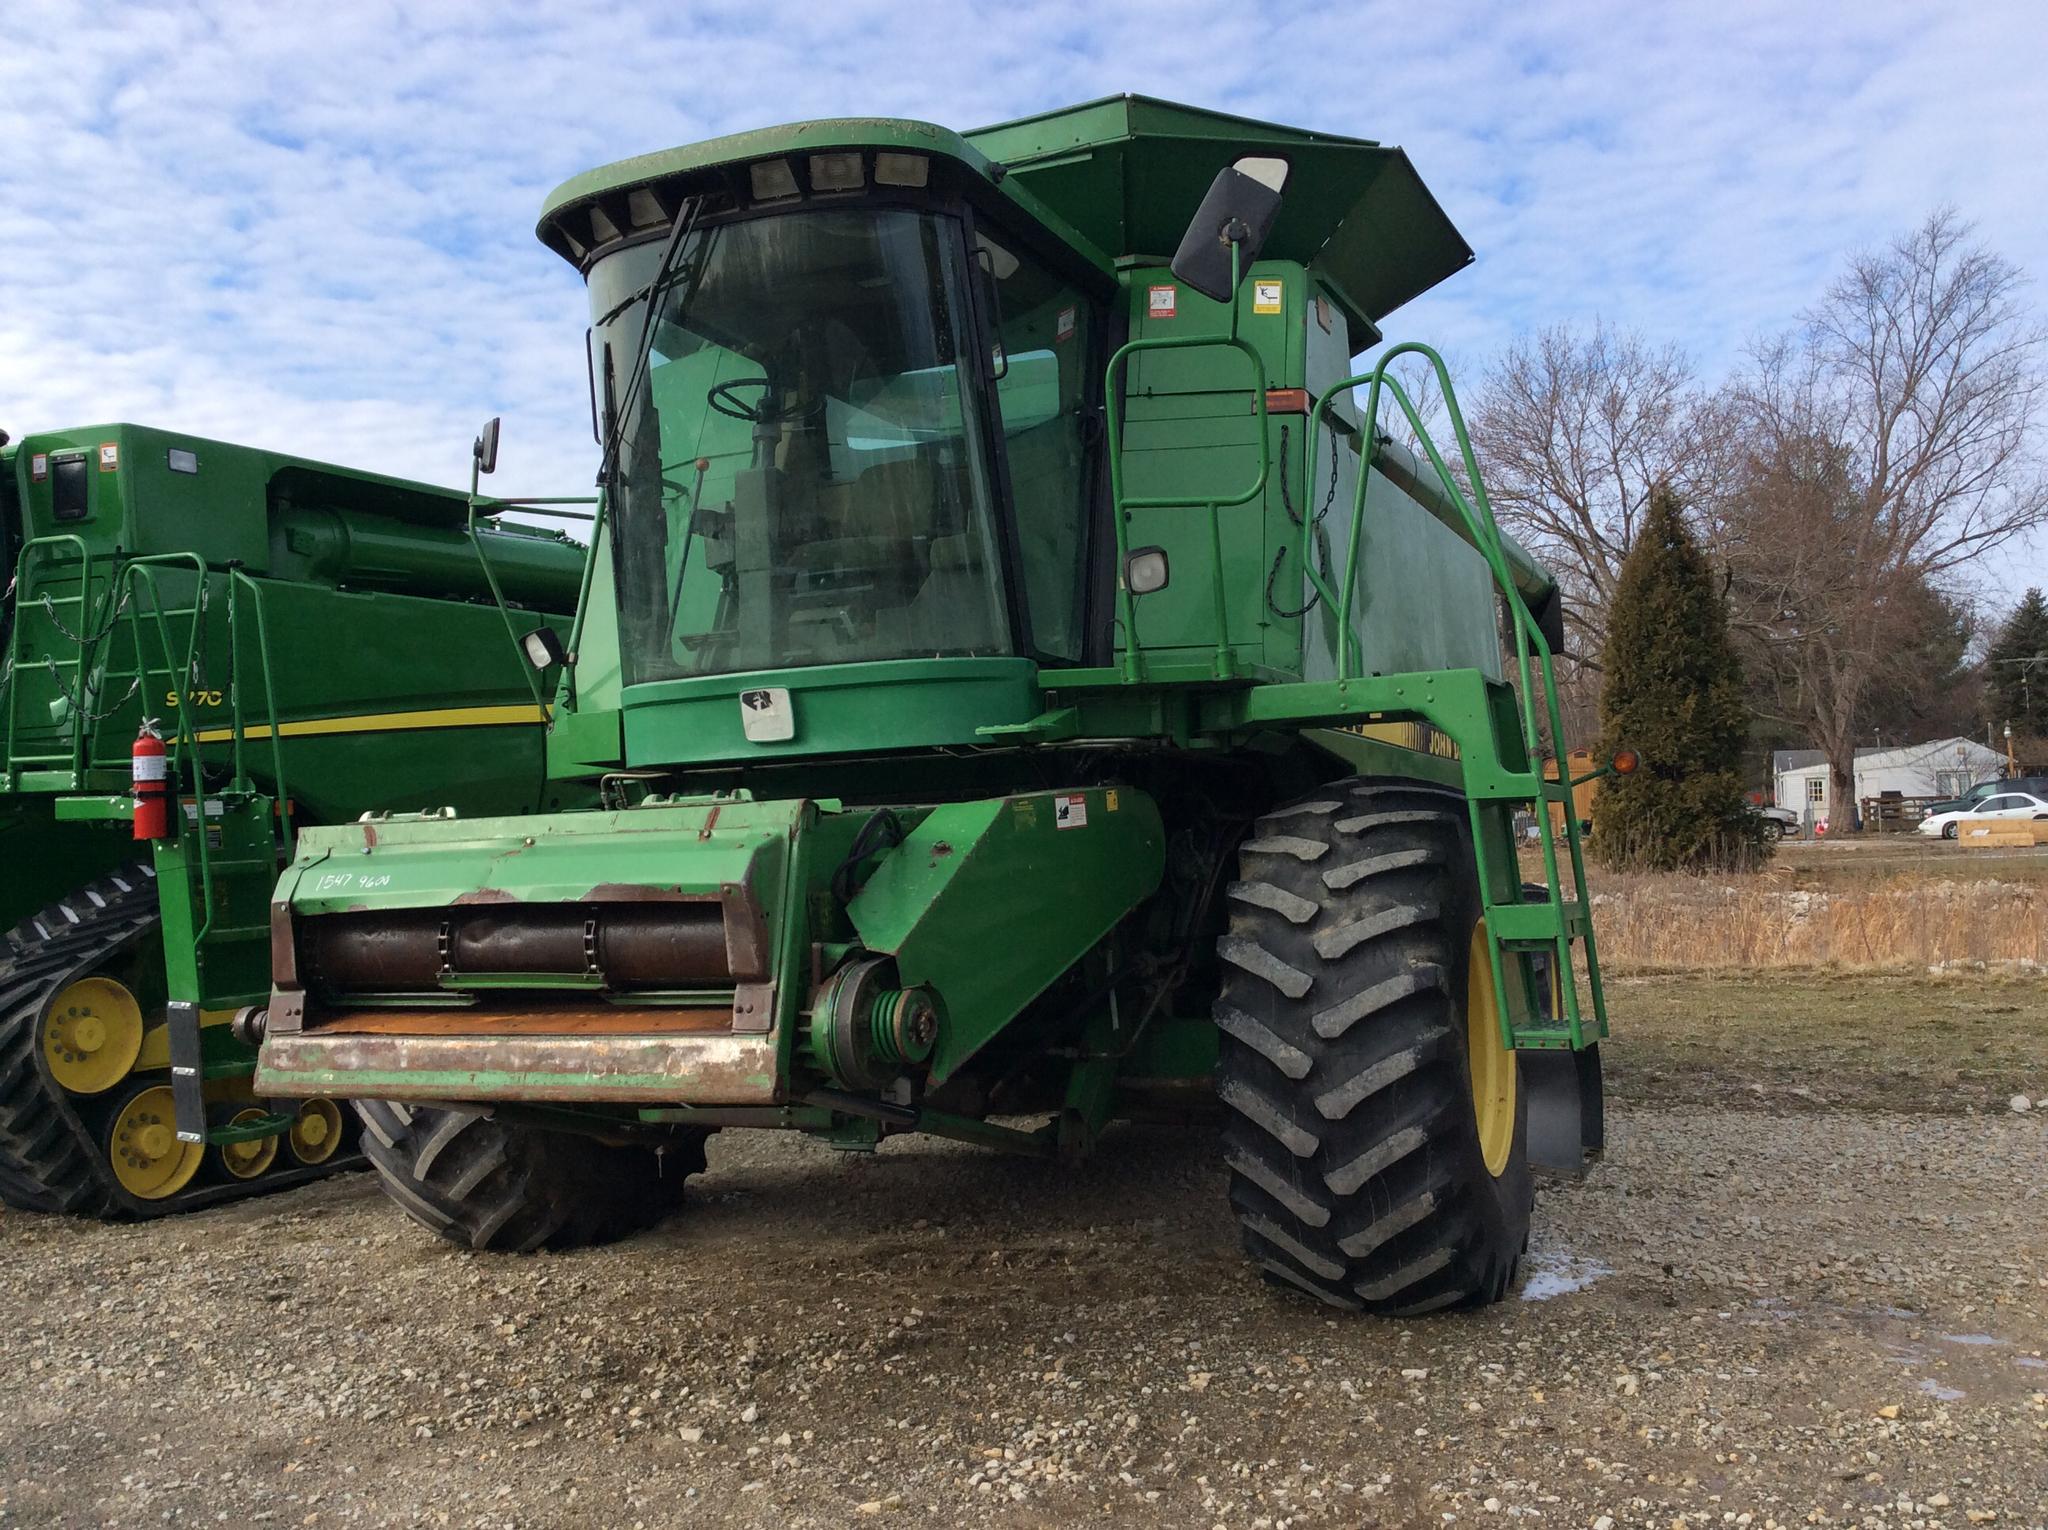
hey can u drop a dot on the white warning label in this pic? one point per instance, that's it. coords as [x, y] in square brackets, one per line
[1070, 812]
[1160, 302]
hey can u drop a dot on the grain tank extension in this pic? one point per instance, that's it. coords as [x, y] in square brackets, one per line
[1024, 680]
[306, 643]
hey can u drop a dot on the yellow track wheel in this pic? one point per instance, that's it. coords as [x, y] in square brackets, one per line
[316, 1133]
[1492, 1065]
[149, 1160]
[92, 1035]
[246, 1160]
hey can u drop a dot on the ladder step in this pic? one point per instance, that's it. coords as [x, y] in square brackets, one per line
[1514, 924]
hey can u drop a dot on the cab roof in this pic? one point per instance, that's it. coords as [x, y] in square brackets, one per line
[1116, 180]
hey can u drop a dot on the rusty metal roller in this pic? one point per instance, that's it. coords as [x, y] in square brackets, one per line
[665, 945]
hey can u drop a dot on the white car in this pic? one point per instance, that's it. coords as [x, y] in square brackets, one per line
[2004, 805]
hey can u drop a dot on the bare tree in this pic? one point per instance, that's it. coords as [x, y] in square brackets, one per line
[1573, 431]
[1885, 446]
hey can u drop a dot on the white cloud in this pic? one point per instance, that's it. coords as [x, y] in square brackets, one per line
[310, 228]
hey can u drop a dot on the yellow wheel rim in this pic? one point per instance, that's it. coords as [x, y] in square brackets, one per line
[1492, 1065]
[316, 1134]
[149, 1160]
[246, 1160]
[92, 1035]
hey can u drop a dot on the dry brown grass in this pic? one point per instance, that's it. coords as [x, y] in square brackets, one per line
[1921, 920]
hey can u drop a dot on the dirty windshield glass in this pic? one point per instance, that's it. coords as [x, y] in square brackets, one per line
[800, 481]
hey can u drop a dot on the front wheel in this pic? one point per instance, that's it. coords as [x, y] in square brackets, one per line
[1378, 1136]
[1948, 831]
[506, 1188]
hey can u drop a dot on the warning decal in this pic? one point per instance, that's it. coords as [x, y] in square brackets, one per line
[1063, 329]
[1266, 295]
[1070, 812]
[110, 457]
[1160, 301]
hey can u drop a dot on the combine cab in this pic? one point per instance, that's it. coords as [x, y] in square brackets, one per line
[300, 643]
[1024, 680]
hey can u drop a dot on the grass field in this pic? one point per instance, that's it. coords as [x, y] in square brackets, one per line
[1913, 1043]
[1892, 905]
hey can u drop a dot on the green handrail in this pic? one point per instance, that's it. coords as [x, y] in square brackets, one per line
[1484, 534]
[87, 617]
[239, 579]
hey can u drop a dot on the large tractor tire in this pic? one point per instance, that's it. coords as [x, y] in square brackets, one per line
[503, 1188]
[1377, 1136]
[86, 1125]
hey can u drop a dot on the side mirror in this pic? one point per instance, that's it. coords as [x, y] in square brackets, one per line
[544, 650]
[485, 448]
[1239, 211]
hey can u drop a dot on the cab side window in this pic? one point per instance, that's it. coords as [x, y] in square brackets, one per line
[1046, 365]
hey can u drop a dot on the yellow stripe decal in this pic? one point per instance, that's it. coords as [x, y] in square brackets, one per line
[388, 722]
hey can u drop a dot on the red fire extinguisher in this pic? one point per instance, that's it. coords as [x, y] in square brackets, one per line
[149, 773]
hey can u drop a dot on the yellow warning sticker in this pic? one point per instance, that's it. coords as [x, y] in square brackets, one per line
[1266, 295]
[1109, 801]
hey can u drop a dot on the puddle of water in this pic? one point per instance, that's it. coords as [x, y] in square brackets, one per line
[1975, 1340]
[1939, 1392]
[1552, 1275]
[2030, 1362]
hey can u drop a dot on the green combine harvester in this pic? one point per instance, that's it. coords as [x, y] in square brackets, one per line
[1027, 689]
[305, 643]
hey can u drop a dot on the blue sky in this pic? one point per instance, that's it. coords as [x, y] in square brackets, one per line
[311, 227]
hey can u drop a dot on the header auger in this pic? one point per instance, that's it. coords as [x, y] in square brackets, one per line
[1022, 678]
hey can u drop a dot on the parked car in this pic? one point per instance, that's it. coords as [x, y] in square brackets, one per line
[1999, 805]
[2036, 785]
[1781, 820]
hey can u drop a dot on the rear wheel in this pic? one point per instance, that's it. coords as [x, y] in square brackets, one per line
[490, 1185]
[1378, 1138]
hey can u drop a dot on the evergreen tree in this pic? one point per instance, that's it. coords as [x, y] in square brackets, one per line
[2018, 671]
[1673, 694]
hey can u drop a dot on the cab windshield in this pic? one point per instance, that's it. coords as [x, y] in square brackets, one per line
[802, 479]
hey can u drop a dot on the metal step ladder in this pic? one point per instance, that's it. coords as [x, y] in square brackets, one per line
[1556, 925]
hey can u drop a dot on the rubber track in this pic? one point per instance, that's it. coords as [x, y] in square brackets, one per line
[50, 1160]
[504, 1188]
[1354, 1161]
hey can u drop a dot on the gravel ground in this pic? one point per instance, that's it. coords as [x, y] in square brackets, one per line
[1756, 1313]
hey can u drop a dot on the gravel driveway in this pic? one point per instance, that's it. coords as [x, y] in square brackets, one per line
[1750, 1315]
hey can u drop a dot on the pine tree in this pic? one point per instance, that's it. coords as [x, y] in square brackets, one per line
[1673, 694]
[2018, 678]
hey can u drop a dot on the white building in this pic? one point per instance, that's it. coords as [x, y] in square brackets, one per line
[1946, 767]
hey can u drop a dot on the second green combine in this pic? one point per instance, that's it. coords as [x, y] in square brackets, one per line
[207, 647]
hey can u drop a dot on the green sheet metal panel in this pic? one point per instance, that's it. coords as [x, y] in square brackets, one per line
[694, 847]
[1128, 172]
[987, 902]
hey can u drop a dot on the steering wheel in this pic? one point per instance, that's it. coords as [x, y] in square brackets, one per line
[724, 399]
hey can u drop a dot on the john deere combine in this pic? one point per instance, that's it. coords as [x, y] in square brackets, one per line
[1024, 680]
[206, 647]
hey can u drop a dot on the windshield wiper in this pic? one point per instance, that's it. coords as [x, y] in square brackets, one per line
[664, 274]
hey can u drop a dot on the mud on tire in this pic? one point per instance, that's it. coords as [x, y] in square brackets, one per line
[1356, 1169]
[514, 1189]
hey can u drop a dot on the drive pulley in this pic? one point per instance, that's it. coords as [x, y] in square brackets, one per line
[865, 1031]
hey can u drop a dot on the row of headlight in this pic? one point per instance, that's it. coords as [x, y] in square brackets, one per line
[774, 180]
